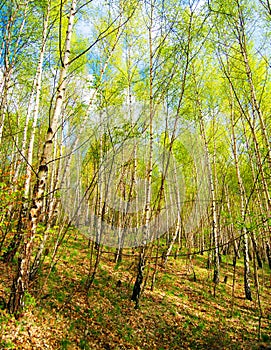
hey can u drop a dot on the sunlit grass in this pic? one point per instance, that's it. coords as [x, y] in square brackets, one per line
[181, 312]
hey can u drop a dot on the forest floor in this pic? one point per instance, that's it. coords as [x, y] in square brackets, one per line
[180, 313]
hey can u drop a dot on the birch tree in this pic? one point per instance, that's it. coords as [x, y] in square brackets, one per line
[21, 281]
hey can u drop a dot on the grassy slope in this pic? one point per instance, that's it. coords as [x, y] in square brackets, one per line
[179, 314]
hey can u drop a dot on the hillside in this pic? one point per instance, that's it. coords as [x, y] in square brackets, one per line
[180, 313]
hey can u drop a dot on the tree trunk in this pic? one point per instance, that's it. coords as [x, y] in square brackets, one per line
[243, 205]
[21, 281]
[147, 212]
[216, 261]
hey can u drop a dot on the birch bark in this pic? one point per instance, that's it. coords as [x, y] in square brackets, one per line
[21, 281]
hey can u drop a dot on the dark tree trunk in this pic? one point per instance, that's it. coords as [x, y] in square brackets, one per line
[139, 279]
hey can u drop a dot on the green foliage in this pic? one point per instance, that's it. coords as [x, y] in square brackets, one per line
[188, 63]
[64, 344]
[7, 345]
[29, 301]
[84, 345]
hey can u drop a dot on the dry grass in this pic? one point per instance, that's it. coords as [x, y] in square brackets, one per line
[179, 313]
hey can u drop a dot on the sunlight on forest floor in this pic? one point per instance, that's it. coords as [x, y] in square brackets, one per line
[180, 313]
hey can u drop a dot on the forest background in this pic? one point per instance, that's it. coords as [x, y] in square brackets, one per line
[135, 135]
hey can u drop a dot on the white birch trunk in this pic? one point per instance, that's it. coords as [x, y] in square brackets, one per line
[21, 281]
[242, 210]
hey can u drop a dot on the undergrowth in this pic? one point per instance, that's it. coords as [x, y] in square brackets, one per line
[181, 312]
